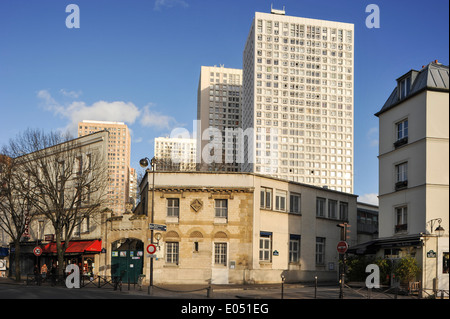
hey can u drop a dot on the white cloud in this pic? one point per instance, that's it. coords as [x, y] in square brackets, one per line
[159, 4]
[370, 198]
[71, 94]
[117, 111]
[155, 119]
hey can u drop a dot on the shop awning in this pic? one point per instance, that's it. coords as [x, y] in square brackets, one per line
[77, 246]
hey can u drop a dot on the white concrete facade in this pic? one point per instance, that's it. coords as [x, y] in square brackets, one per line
[298, 97]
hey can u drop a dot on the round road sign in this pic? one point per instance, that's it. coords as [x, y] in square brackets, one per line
[151, 249]
[37, 251]
[342, 247]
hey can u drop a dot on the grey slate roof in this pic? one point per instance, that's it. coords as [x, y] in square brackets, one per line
[434, 76]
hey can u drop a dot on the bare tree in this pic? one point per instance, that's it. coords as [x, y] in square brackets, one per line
[15, 206]
[66, 179]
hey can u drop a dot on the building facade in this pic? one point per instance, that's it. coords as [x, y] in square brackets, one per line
[82, 158]
[414, 173]
[367, 226]
[298, 99]
[119, 150]
[219, 103]
[237, 228]
[175, 154]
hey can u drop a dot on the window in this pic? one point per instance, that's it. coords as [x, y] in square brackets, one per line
[402, 133]
[220, 254]
[401, 214]
[320, 250]
[294, 203]
[332, 209]
[320, 207]
[294, 248]
[402, 129]
[343, 211]
[172, 252]
[221, 208]
[280, 201]
[401, 172]
[265, 246]
[266, 198]
[173, 207]
[405, 87]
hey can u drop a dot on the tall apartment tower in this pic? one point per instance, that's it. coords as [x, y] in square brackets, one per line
[175, 154]
[219, 103]
[298, 99]
[119, 150]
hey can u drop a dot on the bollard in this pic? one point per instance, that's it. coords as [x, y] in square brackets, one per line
[315, 287]
[209, 292]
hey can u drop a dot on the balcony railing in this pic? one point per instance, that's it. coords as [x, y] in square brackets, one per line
[401, 185]
[401, 142]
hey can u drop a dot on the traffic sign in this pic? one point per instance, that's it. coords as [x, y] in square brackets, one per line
[342, 247]
[151, 249]
[157, 227]
[37, 251]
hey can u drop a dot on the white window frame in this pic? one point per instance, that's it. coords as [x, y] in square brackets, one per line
[332, 209]
[295, 208]
[294, 248]
[401, 172]
[265, 247]
[280, 200]
[172, 210]
[402, 129]
[220, 253]
[320, 211]
[173, 252]
[320, 250]
[221, 211]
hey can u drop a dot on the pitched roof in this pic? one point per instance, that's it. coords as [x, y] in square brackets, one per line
[434, 76]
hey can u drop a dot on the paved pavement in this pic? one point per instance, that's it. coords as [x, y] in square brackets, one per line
[10, 289]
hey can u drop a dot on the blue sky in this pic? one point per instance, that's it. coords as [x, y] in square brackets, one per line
[139, 61]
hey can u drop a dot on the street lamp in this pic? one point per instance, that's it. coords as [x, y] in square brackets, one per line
[439, 232]
[144, 163]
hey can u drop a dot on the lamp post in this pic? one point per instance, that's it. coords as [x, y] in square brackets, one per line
[144, 163]
[439, 231]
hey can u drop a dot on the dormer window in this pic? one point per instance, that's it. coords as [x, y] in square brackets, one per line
[404, 87]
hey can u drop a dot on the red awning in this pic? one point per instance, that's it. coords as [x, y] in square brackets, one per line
[77, 246]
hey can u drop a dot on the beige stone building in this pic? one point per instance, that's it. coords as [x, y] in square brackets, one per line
[414, 173]
[119, 152]
[298, 99]
[232, 228]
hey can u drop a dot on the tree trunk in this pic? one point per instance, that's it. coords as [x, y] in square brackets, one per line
[60, 252]
[17, 258]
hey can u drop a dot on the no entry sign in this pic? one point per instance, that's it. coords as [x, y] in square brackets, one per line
[151, 249]
[37, 251]
[342, 247]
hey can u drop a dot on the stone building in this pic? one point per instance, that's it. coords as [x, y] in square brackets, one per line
[230, 228]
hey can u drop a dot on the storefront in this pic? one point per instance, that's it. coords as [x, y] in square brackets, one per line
[83, 253]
